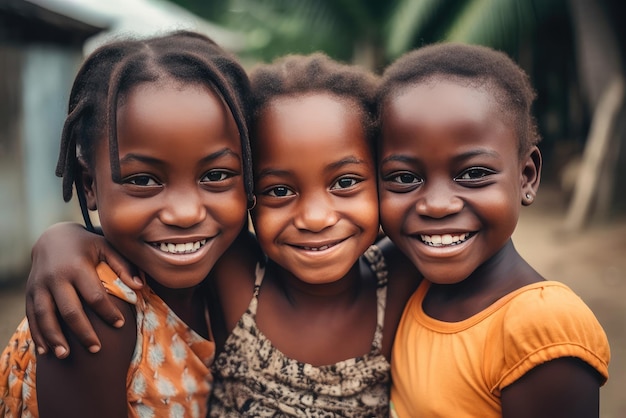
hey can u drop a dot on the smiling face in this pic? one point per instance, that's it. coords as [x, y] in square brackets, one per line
[317, 206]
[451, 181]
[181, 201]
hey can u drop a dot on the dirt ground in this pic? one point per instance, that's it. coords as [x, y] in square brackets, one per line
[592, 263]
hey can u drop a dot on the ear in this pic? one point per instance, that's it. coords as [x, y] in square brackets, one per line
[89, 186]
[531, 176]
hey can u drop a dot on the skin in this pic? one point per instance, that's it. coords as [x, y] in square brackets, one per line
[314, 218]
[452, 184]
[192, 149]
[310, 300]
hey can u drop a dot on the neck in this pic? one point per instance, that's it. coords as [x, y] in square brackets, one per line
[505, 270]
[297, 291]
[188, 304]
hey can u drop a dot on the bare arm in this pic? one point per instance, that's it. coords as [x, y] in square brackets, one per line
[86, 384]
[565, 387]
[63, 272]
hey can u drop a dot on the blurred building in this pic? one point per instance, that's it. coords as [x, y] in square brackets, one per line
[42, 43]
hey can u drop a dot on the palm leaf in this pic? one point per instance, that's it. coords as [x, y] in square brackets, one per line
[407, 20]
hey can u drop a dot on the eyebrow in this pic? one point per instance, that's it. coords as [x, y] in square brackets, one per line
[333, 166]
[343, 162]
[151, 160]
[400, 158]
[464, 156]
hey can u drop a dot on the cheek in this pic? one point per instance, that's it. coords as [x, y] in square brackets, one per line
[230, 209]
[368, 212]
[121, 220]
[392, 208]
[501, 211]
[267, 223]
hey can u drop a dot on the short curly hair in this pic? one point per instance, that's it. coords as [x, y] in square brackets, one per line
[477, 66]
[294, 75]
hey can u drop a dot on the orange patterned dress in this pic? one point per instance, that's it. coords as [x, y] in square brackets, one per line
[169, 374]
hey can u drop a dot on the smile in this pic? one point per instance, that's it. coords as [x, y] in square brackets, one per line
[317, 248]
[445, 239]
[184, 248]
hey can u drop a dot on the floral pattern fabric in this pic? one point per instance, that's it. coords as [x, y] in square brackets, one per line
[254, 379]
[169, 374]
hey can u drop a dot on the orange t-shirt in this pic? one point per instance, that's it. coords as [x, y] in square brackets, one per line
[169, 374]
[458, 369]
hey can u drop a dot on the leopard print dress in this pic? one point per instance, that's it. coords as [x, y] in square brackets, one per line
[254, 379]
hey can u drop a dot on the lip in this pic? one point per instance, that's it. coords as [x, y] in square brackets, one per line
[182, 251]
[446, 239]
[317, 248]
[433, 244]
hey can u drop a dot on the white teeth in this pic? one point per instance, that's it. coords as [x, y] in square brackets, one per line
[186, 248]
[322, 248]
[446, 239]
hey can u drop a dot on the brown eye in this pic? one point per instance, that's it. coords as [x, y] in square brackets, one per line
[142, 180]
[474, 173]
[213, 176]
[344, 183]
[279, 191]
[406, 178]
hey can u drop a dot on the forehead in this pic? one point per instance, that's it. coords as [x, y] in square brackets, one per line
[315, 120]
[438, 101]
[175, 116]
[442, 110]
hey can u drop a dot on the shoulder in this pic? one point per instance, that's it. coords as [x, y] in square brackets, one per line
[233, 276]
[550, 308]
[107, 393]
[546, 321]
[114, 285]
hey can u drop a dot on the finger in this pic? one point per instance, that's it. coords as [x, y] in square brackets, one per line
[71, 311]
[44, 326]
[124, 270]
[95, 296]
[40, 342]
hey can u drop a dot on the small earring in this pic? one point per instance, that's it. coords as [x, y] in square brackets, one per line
[529, 197]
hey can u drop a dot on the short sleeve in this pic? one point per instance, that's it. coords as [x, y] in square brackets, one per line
[114, 285]
[545, 323]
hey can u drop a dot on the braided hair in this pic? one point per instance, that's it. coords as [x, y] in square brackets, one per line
[112, 70]
[473, 65]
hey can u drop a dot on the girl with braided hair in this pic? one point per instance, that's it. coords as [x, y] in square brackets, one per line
[156, 140]
[309, 305]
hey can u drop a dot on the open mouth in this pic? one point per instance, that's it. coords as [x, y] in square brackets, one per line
[445, 239]
[184, 248]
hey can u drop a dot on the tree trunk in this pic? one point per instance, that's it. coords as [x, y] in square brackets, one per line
[599, 64]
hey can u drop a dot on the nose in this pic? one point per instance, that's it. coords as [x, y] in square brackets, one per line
[315, 213]
[183, 208]
[438, 201]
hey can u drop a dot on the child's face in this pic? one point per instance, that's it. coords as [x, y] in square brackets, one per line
[317, 204]
[181, 201]
[451, 179]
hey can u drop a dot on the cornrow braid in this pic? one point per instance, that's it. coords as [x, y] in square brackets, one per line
[112, 70]
[477, 66]
[294, 75]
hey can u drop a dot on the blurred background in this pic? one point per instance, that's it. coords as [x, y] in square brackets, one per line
[573, 50]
